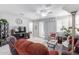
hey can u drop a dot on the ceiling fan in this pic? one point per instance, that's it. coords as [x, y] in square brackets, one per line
[45, 10]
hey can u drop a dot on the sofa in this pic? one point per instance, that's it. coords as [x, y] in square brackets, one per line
[25, 47]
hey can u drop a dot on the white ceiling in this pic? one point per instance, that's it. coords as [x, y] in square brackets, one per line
[31, 11]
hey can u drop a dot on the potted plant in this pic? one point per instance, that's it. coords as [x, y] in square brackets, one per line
[4, 20]
[67, 31]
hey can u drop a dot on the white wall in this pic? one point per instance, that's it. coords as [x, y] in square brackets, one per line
[11, 19]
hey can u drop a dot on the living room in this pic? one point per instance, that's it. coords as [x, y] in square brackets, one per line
[39, 29]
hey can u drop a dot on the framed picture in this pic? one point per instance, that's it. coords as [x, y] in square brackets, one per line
[18, 21]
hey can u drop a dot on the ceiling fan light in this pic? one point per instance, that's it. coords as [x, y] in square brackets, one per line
[43, 14]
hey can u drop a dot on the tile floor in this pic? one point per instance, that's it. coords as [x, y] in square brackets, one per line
[4, 50]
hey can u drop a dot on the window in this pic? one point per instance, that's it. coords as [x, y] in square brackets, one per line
[64, 21]
[77, 24]
[59, 25]
[67, 22]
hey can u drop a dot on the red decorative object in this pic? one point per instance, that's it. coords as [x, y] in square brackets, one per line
[52, 34]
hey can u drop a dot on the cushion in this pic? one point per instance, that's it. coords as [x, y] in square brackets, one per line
[53, 52]
[21, 46]
[25, 47]
[37, 49]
